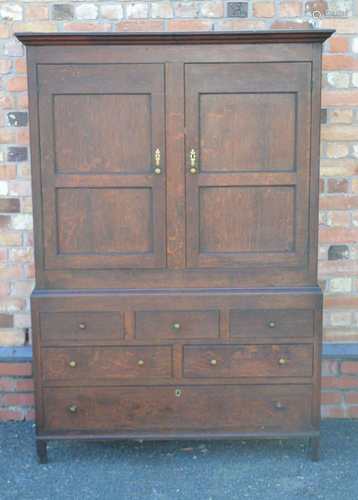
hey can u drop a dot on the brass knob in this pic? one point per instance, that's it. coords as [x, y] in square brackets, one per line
[141, 362]
[213, 362]
[72, 409]
[282, 361]
[193, 170]
[157, 171]
[82, 326]
[176, 326]
[271, 324]
[72, 364]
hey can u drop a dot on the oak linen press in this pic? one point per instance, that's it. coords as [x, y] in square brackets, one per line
[175, 183]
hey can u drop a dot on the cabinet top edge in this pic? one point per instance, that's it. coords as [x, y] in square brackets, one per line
[187, 38]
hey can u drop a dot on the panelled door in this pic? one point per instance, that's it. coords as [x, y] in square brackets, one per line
[102, 165]
[248, 153]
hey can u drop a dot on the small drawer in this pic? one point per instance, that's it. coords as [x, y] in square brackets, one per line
[72, 326]
[177, 324]
[91, 363]
[272, 323]
[265, 360]
[220, 408]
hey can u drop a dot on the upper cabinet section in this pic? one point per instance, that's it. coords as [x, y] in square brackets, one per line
[175, 160]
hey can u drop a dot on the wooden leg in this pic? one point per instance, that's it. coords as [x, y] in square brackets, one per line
[313, 448]
[41, 448]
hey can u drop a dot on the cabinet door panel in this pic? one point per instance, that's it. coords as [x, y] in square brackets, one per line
[103, 205]
[249, 125]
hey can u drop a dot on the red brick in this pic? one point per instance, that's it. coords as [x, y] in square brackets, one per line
[339, 98]
[141, 25]
[349, 367]
[329, 367]
[24, 385]
[7, 415]
[17, 84]
[20, 65]
[7, 385]
[339, 44]
[76, 26]
[332, 412]
[283, 24]
[331, 398]
[29, 415]
[6, 320]
[189, 25]
[16, 369]
[17, 399]
[351, 398]
[337, 62]
[337, 235]
[263, 9]
[339, 382]
[337, 185]
[7, 172]
[352, 411]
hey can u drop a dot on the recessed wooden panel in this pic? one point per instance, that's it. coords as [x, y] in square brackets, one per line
[247, 219]
[241, 408]
[104, 221]
[97, 133]
[246, 131]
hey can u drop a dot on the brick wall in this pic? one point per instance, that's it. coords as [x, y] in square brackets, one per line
[338, 252]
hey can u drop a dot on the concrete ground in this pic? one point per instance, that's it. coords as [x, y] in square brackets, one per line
[265, 470]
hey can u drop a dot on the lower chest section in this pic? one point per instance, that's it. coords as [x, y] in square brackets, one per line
[177, 363]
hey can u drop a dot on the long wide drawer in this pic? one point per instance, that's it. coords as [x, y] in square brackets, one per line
[231, 407]
[264, 360]
[86, 363]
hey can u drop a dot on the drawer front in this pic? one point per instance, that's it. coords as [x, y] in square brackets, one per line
[88, 363]
[177, 324]
[248, 361]
[72, 326]
[231, 408]
[272, 323]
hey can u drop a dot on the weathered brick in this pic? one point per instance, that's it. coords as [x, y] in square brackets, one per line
[290, 9]
[5, 66]
[7, 171]
[4, 188]
[12, 337]
[36, 11]
[338, 252]
[6, 320]
[239, 24]
[16, 153]
[344, 382]
[45, 26]
[312, 6]
[11, 415]
[9, 205]
[340, 98]
[341, 318]
[337, 185]
[341, 116]
[355, 79]
[112, 11]
[15, 369]
[20, 65]
[189, 25]
[264, 9]
[186, 9]
[10, 238]
[340, 285]
[62, 12]
[336, 150]
[145, 25]
[17, 399]
[339, 62]
[90, 27]
[352, 411]
[86, 11]
[349, 367]
[212, 8]
[331, 398]
[333, 412]
[341, 25]
[6, 101]
[163, 10]
[10, 12]
[339, 8]
[339, 44]
[23, 385]
[137, 10]
[6, 136]
[329, 367]
[338, 79]
[351, 398]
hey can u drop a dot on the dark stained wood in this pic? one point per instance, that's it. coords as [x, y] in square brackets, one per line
[285, 408]
[272, 323]
[228, 254]
[106, 363]
[248, 361]
[177, 324]
[57, 327]
[245, 37]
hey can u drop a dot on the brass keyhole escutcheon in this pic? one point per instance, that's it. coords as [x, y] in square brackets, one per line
[72, 409]
[72, 364]
[178, 393]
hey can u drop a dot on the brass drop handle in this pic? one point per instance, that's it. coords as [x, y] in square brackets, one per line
[213, 362]
[283, 361]
[72, 409]
[157, 169]
[176, 327]
[193, 167]
[271, 324]
[72, 364]
[141, 362]
[82, 326]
